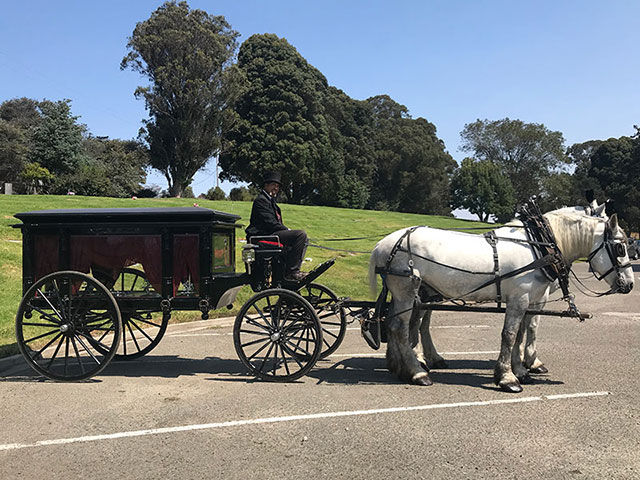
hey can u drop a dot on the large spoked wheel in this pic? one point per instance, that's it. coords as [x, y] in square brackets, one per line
[68, 326]
[141, 332]
[332, 316]
[277, 335]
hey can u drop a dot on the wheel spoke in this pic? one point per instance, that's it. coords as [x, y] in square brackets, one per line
[93, 340]
[42, 336]
[284, 360]
[75, 349]
[292, 354]
[266, 320]
[140, 330]
[147, 322]
[133, 337]
[252, 321]
[86, 349]
[253, 332]
[255, 342]
[266, 357]
[52, 307]
[47, 316]
[66, 354]
[39, 352]
[55, 353]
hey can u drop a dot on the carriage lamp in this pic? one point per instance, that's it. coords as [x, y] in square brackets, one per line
[248, 257]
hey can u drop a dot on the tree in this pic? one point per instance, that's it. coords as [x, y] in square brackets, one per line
[109, 168]
[614, 165]
[21, 112]
[35, 177]
[187, 56]
[413, 170]
[57, 138]
[215, 193]
[240, 194]
[350, 124]
[480, 187]
[526, 153]
[280, 122]
[13, 151]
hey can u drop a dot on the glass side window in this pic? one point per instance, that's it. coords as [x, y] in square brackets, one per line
[222, 253]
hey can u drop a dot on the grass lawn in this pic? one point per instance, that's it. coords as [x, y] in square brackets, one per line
[347, 278]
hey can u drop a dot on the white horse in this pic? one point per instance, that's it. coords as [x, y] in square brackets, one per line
[442, 262]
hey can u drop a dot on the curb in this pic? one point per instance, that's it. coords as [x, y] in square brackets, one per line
[8, 362]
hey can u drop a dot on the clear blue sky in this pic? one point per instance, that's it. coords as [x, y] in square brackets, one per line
[571, 65]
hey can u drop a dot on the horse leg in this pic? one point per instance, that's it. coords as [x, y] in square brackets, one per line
[530, 357]
[401, 358]
[517, 355]
[503, 374]
[414, 326]
[431, 356]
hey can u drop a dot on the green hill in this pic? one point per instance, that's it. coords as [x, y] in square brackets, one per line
[348, 277]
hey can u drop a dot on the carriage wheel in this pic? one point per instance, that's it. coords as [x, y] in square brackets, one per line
[332, 317]
[140, 331]
[277, 335]
[68, 326]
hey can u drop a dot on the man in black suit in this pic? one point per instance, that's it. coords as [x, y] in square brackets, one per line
[266, 219]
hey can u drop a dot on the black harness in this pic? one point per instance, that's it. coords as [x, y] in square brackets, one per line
[549, 258]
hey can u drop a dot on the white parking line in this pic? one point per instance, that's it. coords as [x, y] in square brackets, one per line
[292, 418]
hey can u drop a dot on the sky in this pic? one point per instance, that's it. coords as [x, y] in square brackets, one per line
[573, 66]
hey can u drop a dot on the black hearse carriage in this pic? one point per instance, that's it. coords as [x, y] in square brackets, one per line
[102, 283]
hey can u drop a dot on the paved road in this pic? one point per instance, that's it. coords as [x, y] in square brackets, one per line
[189, 411]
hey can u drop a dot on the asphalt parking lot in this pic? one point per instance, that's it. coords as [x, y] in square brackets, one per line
[188, 410]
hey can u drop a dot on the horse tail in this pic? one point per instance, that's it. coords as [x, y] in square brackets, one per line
[373, 277]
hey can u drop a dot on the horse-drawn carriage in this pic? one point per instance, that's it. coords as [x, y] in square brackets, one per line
[95, 281]
[102, 283]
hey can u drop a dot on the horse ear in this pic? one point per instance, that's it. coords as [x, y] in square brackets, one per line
[610, 207]
[613, 222]
[589, 195]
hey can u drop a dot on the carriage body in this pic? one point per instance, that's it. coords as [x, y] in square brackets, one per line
[102, 283]
[187, 254]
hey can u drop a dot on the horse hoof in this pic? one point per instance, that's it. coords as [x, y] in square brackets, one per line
[525, 379]
[539, 370]
[440, 364]
[422, 380]
[511, 387]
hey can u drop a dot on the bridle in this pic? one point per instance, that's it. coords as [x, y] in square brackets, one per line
[615, 250]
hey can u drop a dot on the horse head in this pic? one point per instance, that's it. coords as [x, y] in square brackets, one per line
[609, 259]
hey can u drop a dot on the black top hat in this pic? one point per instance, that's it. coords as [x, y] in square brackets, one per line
[270, 177]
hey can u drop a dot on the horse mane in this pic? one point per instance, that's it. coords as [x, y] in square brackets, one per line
[574, 232]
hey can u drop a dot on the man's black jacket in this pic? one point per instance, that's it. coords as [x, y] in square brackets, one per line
[266, 217]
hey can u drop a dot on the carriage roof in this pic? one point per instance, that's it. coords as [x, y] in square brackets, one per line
[126, 215]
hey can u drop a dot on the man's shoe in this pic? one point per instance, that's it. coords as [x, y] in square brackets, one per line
[295, 276]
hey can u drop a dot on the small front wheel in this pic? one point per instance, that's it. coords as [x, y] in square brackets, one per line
[68, 326]
[331, 315]
[277, 335]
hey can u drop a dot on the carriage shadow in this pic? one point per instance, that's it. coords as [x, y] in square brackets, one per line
[350, 371]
